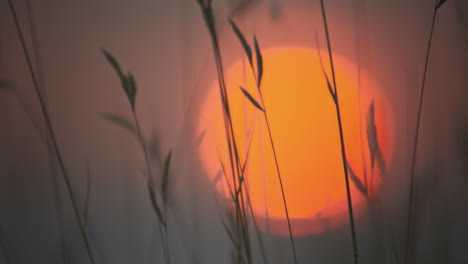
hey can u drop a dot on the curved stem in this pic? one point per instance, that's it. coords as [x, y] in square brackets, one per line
[41, 81]
[416, 136]
[149, 171]
[52, 136]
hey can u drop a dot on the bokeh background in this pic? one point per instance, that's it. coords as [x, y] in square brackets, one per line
[166, 45]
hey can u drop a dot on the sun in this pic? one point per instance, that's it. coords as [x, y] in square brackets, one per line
[304, 126]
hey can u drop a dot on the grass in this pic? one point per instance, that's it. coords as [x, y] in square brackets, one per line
[54, 178]
[241, 224]
[52, 136]
[258, 73]
[437, 5]
[335, 96]
[130, 88]
[237, 226]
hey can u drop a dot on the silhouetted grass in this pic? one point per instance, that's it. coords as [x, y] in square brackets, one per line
[234, 159]
[51, 132]
[437, 5]
[258, 77]
[87, 195]
[130, 88]
[36, 51]
[335, 96]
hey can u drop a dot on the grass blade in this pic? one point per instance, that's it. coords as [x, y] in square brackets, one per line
[88, 195]
[409, 223]
[165, 180]
[395, 251]
[251, 99]
[229, 232]
[132, 89]
[330, 88]
[259, 63]
[113, 62]
[200, 138]
[373, 142]
[441, 2]
[120, 121]
[242, 40]
[51, 131]
[128, 82]
[357, 182]
[231, 189]
[342, 141]
[154, 203]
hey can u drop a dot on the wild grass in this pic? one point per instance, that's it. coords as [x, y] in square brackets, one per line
[54, 178]
[260, 105]
[51, 134]
[241, 225]
[130, 88]
[237, 223]
[87, 195]
[437, 5]
[335, 96]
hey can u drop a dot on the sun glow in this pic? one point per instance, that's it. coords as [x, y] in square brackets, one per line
[304, 126]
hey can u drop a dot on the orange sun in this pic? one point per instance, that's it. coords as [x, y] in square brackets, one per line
[304, 127]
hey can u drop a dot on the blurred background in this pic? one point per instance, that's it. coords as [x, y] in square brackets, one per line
[167, 47]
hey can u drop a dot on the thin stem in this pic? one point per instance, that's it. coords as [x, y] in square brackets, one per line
[283, 196]
[41, 81]
[416, 135]
[149, 171]
[359, 84]
[343, 150]
[166, 235]
[241, 219]
[52, 135]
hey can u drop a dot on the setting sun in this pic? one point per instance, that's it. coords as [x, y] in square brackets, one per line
[304, 127]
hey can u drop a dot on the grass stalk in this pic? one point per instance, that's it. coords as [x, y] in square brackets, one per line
[261, 106]
[360, 14]
[40, 78]
[130, 88]
[437, 5]
[335, 96]
[51, 132]
[241, 218]
[280, 179]
[162, 227]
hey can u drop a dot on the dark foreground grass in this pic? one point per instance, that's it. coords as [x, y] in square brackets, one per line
[51, 134]
[129, 87]
[335, 96]
[437, 5]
